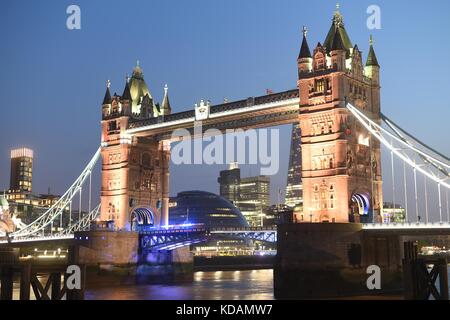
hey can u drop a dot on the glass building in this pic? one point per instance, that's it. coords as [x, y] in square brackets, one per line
[254, 199]
[204, 207]
[294, 187]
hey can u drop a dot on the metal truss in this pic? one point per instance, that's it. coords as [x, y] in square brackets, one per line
[256, 235]
[37, 227]
[170, 241]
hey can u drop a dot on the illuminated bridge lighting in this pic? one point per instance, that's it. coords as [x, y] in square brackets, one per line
[411, 225]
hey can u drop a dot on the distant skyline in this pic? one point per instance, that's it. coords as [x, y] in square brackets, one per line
[53, 80]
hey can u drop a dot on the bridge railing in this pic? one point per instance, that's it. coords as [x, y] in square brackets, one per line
[407, 225]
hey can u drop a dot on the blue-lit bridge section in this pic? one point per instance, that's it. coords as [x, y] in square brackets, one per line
[172, 238]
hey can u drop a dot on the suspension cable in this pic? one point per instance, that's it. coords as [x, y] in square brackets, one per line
[440, 203]
[426, 199]
[389, 121]
[41, 223]
[415, 195]
[362, 118]
[406, 192]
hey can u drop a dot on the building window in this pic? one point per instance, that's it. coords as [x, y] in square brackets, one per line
[330, 127]
[320, 85]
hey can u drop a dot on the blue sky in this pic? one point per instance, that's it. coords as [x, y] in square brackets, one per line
[52, 80]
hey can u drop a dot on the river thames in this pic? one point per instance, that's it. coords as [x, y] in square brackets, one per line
[207, 285]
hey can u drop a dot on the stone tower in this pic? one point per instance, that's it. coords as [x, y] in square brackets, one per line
[341, 166]
[135, 170]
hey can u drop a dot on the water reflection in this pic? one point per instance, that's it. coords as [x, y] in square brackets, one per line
[215, 285]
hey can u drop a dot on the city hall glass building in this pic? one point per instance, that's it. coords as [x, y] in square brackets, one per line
[207, 208]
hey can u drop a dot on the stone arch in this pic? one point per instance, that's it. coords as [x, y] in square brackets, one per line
[142, 218]
[360, 203]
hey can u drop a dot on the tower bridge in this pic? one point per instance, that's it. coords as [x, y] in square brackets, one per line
[336, 103]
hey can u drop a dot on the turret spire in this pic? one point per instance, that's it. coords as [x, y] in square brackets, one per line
[338, 43]
[126, 95]
[371, 58]
[165, 105]
[304, 49]
[337, 26]
[107, 99]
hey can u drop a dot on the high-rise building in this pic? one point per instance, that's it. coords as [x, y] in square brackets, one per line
[251, 195]
[21, 170]
[22, 202]
[254, 199]
[294, 187]
[229, 181]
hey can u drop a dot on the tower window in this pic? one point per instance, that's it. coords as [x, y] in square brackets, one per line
[320, 85]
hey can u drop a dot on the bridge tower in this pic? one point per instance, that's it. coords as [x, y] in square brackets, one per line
[341, 166]
[135, 170]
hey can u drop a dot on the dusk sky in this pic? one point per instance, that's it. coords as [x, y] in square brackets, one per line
[53, 79]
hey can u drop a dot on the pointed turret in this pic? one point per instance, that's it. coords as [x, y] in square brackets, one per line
[338, 43]
[372, 58]
[304, 49]
[338, 52]
[372, 68]
[126, 91]
[337, 26]
[107, 99]
[126, 98]
[304, 58]
[165, 105]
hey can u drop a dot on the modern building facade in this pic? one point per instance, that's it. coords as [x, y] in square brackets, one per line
[207, 208]
[21, 177]
[251, 195]
[294, 186]
[229, 181]
[254, 199]
[341, 165]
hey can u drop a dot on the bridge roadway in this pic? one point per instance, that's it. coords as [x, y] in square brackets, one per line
[189, 235]
[254, 112]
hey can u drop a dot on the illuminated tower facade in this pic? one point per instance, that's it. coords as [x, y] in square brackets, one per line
[135, 170]
[341, 167]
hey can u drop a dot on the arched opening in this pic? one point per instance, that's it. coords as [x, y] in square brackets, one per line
[360, 204]
[141, 219]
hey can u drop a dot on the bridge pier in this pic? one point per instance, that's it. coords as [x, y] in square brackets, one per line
[119, 257]
[163, 266]
[330, 260]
